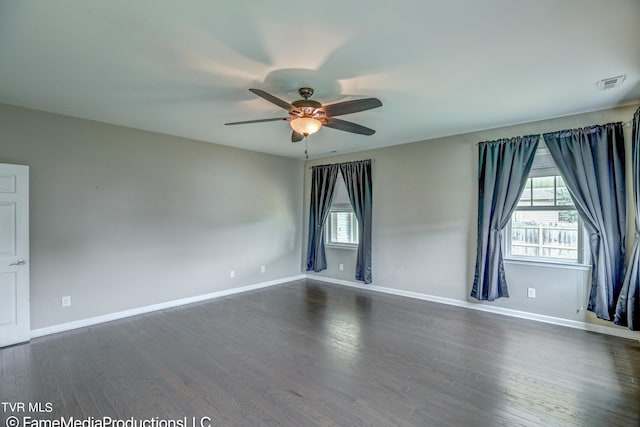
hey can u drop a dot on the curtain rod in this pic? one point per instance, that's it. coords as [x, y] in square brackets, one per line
[342, 163]
[625, 124]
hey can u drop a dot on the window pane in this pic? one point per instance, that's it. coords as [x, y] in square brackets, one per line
[333, 227]
[543, 190]
[343, 228]
[545, 234]
[525, 198]
[562, 193]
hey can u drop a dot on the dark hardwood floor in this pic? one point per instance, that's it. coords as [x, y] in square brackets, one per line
[306, 354]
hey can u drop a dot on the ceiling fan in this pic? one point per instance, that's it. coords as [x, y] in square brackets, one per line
[307, 116]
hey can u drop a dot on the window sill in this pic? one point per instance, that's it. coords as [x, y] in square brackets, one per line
[335, 246]
[550, 264]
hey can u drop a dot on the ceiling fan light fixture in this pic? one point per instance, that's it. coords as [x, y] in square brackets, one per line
[307, 116]
[306, 125]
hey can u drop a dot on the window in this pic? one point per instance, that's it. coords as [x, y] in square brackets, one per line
[342, 227]
[545, 225]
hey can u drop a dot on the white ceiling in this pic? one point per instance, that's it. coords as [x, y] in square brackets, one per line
[440, 67]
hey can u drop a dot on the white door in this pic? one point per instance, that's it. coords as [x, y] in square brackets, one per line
[14, 254]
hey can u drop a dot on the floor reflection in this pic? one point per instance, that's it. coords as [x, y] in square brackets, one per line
[341, 317]
[363, 303]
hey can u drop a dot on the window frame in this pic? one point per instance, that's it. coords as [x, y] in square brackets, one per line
[327, 228]
[582, 254]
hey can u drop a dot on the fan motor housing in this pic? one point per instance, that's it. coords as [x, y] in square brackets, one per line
[306, 105]
[309, 108]
[302, 103]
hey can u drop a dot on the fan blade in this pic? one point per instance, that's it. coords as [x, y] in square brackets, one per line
[348, 107]
[296, 137]
[348, 126]
[257, 121]
[274, 100]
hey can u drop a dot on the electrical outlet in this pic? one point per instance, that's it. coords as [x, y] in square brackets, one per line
[232, 274]
[66, 301]
[262, 269]
[341, 267]
[531, 292]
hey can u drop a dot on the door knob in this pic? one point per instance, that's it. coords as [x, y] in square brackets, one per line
[20, 262]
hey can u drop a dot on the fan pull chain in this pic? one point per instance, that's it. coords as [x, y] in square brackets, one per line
[306, 147]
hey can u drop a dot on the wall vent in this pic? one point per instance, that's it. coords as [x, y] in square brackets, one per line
[611, 82]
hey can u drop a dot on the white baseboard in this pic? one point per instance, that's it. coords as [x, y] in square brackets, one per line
[609, 330]
[63, 327]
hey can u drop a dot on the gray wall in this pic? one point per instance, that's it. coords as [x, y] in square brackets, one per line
[123, 218]
[424, 222]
